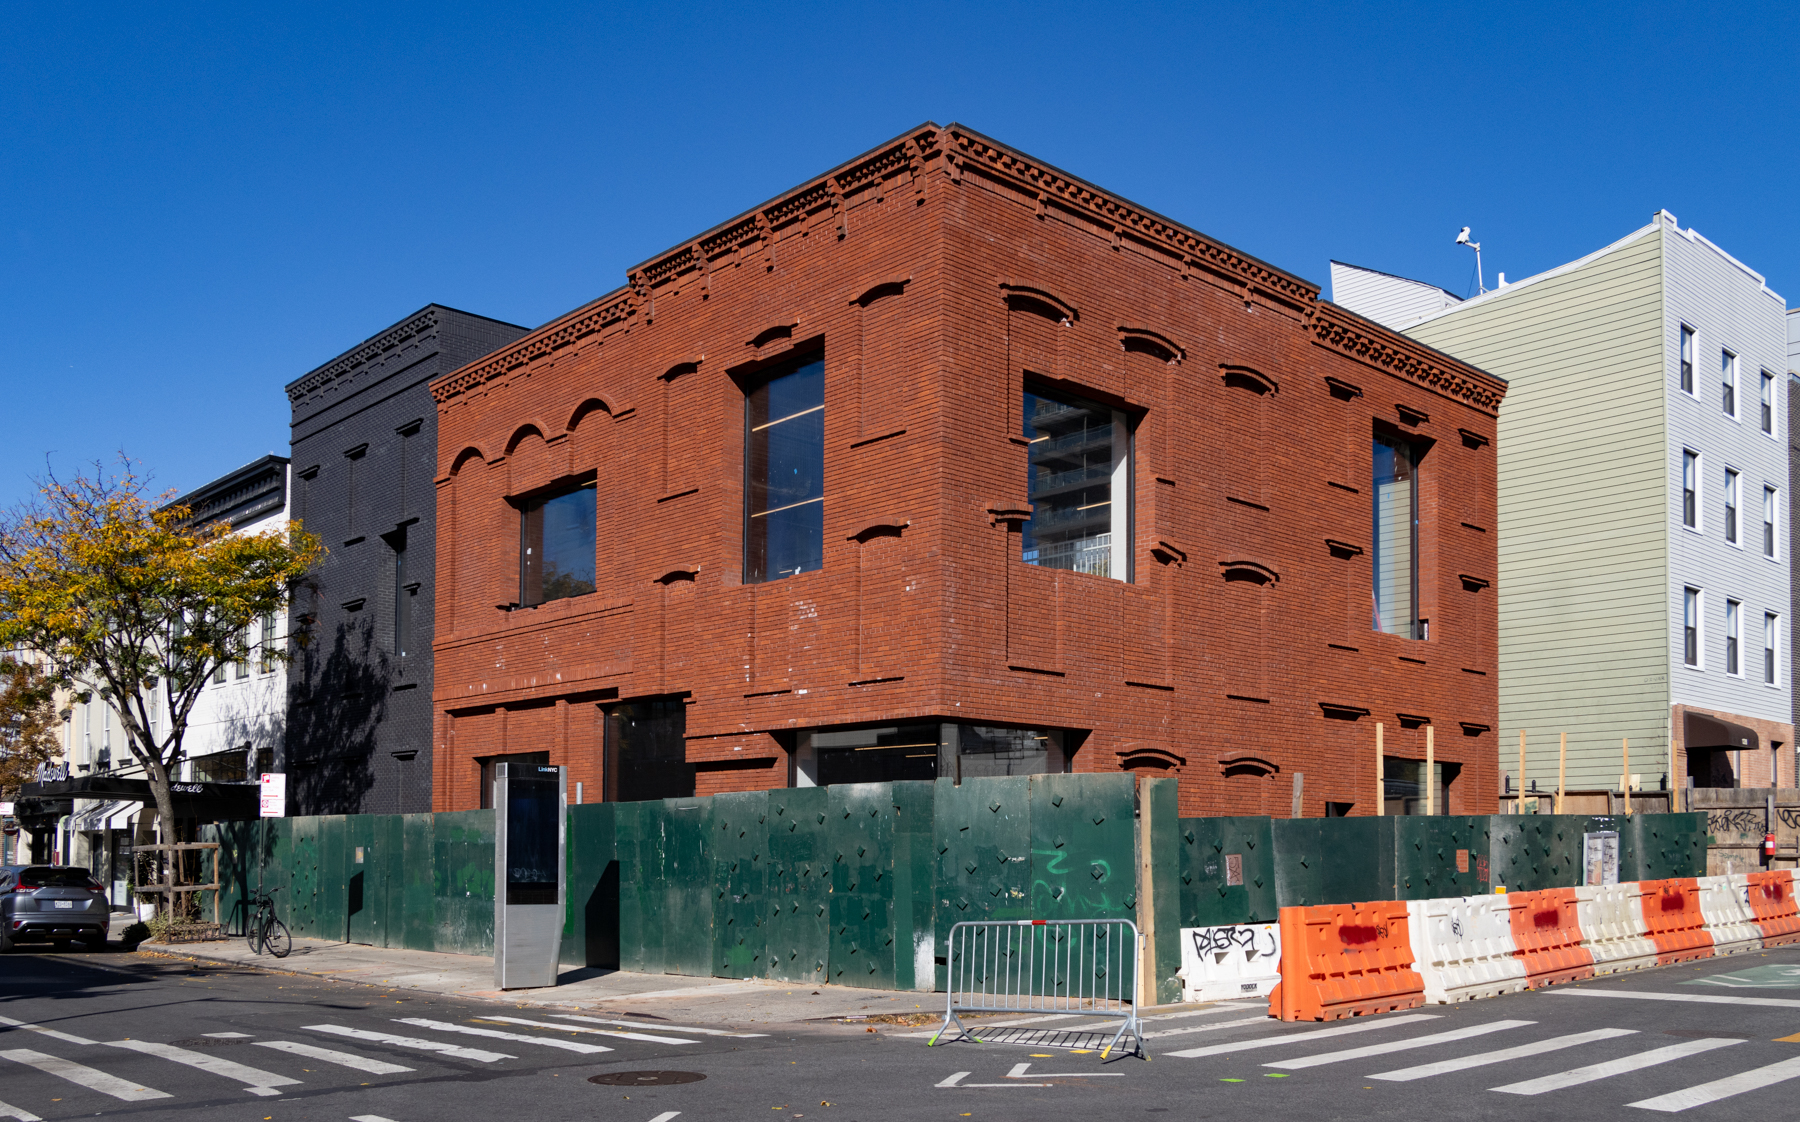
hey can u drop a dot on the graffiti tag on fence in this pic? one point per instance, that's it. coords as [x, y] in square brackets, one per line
[1224, 940]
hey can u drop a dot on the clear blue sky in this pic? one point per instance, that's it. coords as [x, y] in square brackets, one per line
[199, 204]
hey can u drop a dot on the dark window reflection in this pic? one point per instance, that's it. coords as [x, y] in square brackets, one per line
[556, 547]
[646, 751]
[784, 486]
[1079, 486]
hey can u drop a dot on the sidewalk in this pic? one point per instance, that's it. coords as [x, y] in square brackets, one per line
[666, 996]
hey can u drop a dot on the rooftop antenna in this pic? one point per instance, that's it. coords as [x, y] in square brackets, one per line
[1463, 239]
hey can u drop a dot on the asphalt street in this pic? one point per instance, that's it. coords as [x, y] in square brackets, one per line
[142, 1036]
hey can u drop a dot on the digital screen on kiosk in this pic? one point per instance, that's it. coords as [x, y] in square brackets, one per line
[533, 814]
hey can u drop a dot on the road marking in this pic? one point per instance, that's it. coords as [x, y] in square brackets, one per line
[331, 1056]
[255, 1080]
[19, 1113]
[1219, 1007]
[955, 1082]
[457, 1051]
[1482, 1059]
[664, 1028]
[226, 1035]
[52, 1033]
[955, 1079]
[1610, 1068]
[1399, 1045]
[369, 1118]
[1259, 1019]
[1699, 998]
[1018, 1072]
[1778, 976]
[1751, 1080]
[84, 1075]
[496, 1034]
[1302, 1037]
[667, 1116]
[599, 1032]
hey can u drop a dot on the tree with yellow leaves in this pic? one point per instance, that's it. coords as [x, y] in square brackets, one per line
[118, 592]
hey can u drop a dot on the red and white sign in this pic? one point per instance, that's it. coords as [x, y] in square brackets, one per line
[274, 794]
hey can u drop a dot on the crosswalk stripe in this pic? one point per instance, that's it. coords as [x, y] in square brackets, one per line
[1187, 1030]
[52, 1033]
[621, 1033]
[1303, 1037]
[438, 1046]
[1754, 1079]
[369, 1118]
[496, 1034]
[1399, 1045]
[84, 1075]
[1694, 998]
[255, 1080]
[659, 1028]
[20, 1113]
[332, 1056]
[1610, 1068]
[1482, 1059]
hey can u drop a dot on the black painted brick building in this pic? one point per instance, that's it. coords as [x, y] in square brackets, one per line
[364, 457]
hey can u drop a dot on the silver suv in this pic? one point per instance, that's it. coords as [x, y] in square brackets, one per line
[51, 903]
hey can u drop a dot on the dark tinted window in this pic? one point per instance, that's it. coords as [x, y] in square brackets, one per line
[784, 469]
[45, 876]
[646, 751]
[556, 547]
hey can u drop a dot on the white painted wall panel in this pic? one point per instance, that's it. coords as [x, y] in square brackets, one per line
[1388, 300]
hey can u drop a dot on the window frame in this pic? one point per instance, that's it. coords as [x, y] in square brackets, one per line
[782, 367]
[1734, 487]
[1771, 523]
[1729, 383]
[1687, 347]
[1692, 467]
[1766, 404]
[536, 500]
[1772, 650]
[1734, 640]
[1120, 489]
[1693, 627]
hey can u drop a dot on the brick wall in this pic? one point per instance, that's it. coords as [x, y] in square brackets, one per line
[937, 273]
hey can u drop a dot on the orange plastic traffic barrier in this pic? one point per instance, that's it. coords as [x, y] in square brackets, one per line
[1345, 960]
[1672, 916]
[1547, 936]
[1771, 897]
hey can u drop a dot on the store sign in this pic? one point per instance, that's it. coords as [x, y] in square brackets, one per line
[6, 810]
[274, 794]
[52, 773]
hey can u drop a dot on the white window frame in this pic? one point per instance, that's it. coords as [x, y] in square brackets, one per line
[1772, 522]
[1699, 616]
[1734, 633]
[1687, 349]
[1699, 523]
[1772, 643]
[1766, 380]
[1731, 519]
[1728, 364]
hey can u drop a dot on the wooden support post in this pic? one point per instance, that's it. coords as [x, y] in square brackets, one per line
[1625, 778]
[1562, 770]
[1298, 810]
[1380, 766]
[1430, 774]
[1521, 771]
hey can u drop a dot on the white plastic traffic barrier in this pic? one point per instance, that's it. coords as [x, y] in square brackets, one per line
[1729, 919]
[1612, 926]
[1463, 948]
[1239, 960]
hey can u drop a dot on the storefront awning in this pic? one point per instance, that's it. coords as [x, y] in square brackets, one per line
[209, 802]
[1703, 734]
[112, 814]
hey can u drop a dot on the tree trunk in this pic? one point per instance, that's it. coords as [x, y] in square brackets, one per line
[165, 816]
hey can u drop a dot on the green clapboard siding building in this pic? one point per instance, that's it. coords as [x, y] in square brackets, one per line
[1643, 533]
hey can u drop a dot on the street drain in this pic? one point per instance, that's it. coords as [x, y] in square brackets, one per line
[646, 1078]
[204, 1042]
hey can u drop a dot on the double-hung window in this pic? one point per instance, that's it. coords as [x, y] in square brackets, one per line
[1687, 359]
[1771, 628]
[784, 470]
[1769, 504]
[1731, 506]
[1395, 535]
[1079, 454]
[1728, 365]
[1690, 626]
[556, 545]
[1766, 395]
[1733, 613]
[1690, 490]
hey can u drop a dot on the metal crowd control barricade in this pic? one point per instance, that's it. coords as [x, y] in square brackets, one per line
[1044, 966]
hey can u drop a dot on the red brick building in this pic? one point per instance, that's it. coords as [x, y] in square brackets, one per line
[947, 463]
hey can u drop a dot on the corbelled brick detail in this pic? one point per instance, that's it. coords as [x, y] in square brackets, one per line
[1242, 645]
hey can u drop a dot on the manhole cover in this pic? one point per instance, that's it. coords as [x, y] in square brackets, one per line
[204, 1042]
[646, 1078]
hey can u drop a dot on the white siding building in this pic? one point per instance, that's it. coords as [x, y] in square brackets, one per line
[1643, 483]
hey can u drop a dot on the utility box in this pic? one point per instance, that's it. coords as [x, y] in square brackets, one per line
[530, 834]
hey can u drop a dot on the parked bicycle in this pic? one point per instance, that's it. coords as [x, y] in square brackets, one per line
[264, 931]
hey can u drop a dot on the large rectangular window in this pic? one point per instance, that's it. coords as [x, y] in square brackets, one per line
[646, 751]
[784, 474]
[1771, 628]
[1080, 486]
[1687, 359]
[1690, 490]
[1767, 396]
[1396, 536]
[1690, 626]
[935, 750]
[1728, 382]
[1733, 614]
[556, 546]
[1768, 537]
[1731, 506]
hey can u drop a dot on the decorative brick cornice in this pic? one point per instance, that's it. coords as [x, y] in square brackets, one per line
[610, 309]
[1338, 329]
[308, 384]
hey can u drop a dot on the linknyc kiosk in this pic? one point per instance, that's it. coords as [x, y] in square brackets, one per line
[530, 833]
